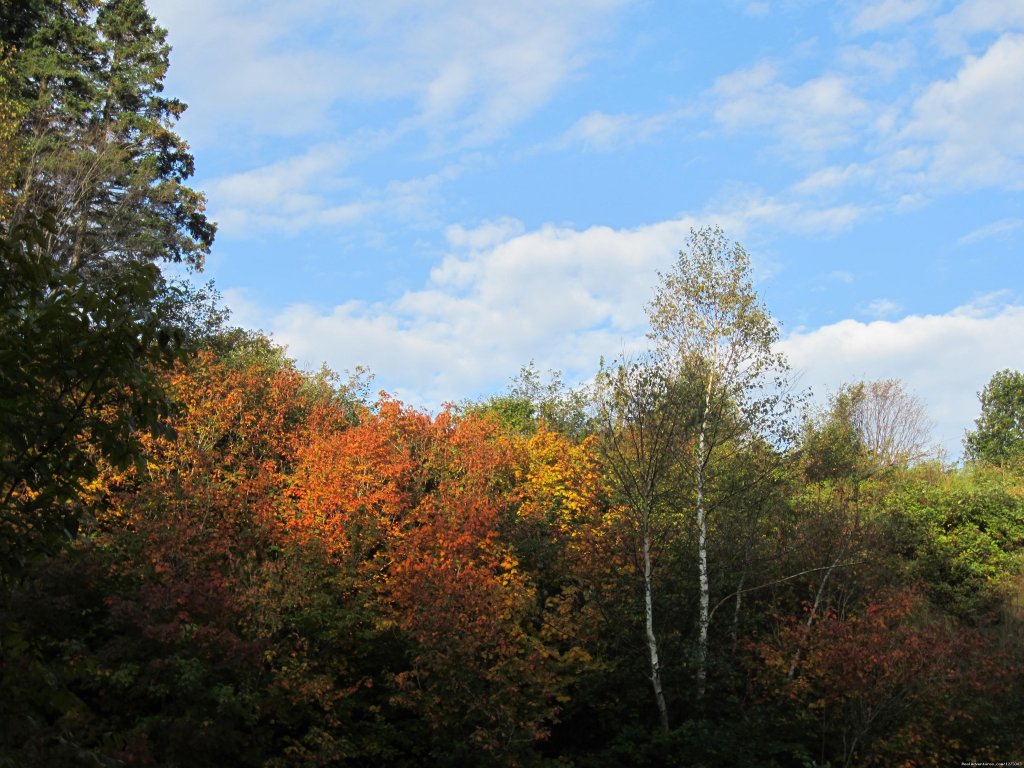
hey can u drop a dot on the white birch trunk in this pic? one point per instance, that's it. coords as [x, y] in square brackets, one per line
[704, 619]
[735, 634]
[652, 640]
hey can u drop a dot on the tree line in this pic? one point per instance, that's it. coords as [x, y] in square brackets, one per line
[211, 557]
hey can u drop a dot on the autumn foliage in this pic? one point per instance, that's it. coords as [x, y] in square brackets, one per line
[295, 576]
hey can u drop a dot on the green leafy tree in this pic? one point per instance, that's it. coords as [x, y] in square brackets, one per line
[12, 112]
[998, 437]
[710, 327]
[93, 199]
[962, 535]
[643, 422]
[76, 385]
[77, 388]
[532, 400]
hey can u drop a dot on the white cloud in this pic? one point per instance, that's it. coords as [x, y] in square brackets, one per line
[969, 131]
[603, 132]
[832, 178]
[241, 72]
[882, 308]
[946, 358]
[559, 296]
[566, 298]
[748, 210]
[972, 17]
[453, 66]
[485, 235]
[288, 195]
[309, 190]
[999, 228]
[880, 60]
[888, 13]
[819, 114]
[957, 135]
[503, 296]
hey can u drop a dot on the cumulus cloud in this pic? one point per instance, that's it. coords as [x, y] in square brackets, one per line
[961, 133]
[969, 130]
[816, 115]
[502, 297]
[973, 17]
[945, 358]
[566, 298]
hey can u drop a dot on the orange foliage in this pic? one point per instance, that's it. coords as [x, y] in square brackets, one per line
[203, 513]
[419, 521]
[418, 506]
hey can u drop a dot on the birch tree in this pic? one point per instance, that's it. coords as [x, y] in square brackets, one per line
[642, 421]
[710, 327]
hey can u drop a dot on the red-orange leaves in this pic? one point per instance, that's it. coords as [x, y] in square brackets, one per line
[887, 686]
[415, 519]
[415, 506]
[353, 486]
[455, 587]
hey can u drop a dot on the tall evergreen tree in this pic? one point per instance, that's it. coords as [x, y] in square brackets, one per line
[98, 149]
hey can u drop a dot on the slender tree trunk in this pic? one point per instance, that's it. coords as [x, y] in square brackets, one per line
[739, 604]
[80, 227]
[652, 639]
[704, 619]
[814, 611]
[22, 203]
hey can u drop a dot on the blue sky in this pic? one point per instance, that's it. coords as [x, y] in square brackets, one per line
[444, 191]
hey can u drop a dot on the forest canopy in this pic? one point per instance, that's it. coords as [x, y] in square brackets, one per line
[209, 556]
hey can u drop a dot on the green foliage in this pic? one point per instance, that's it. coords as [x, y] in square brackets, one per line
[530, 402]
[998, 437]
[98, 146]
[270, 571]
[867, 427]
[962, 537]
[830, 447]
[77, 384]
[227, 608]
[708, 322]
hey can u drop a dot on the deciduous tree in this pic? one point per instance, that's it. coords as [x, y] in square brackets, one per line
[644, 424]
[710, 327]
[998, 436]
